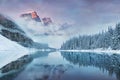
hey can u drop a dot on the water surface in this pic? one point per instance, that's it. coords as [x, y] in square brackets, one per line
[68, 66]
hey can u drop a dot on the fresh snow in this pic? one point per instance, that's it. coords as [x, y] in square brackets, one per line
[10, 51]
[107, 51]
[6, 44]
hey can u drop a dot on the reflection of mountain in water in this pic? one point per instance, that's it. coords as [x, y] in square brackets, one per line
[39, 54]
[11, 70]
[44, 72]
[111, 63]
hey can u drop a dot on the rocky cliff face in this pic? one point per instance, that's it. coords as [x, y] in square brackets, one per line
[46, 21]
[13, 32]
[31, 16]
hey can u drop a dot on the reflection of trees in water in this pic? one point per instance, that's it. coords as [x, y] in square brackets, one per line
[111, 63]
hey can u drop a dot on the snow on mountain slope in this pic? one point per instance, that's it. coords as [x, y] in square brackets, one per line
[12, 31]
[6, 44]
[12, 40]
[10, 51]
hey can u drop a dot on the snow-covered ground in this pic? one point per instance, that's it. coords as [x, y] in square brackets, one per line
[10, 51]
[107, 51]
[6, 44]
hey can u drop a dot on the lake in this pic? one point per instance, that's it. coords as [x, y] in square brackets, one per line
[63, 66]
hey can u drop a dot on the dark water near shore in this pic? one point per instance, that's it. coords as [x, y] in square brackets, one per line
[67, 66]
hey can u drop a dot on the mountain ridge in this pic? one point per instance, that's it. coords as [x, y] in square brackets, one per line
[13, 32]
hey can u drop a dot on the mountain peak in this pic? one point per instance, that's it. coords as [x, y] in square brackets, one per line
[31, 15]
[46, 20]
[34, 16]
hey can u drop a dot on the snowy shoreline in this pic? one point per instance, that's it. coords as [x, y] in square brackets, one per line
[11, 51]
[7, 56]
[107, 51]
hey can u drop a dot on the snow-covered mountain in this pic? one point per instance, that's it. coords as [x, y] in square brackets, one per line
[46, 31]
[14, 42]
[14, 33]
[33, 16]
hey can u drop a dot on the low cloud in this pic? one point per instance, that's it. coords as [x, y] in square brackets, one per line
[82, 13]
[38, 28]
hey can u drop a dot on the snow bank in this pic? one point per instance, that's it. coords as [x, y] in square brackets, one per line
[6, 44]
[10, 51]
[107, 51]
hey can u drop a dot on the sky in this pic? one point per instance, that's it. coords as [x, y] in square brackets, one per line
[94, 15]
[85, 16]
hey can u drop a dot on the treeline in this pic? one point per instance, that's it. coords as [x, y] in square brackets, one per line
[109, 39]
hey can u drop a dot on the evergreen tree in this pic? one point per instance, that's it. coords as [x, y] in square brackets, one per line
[104, 40]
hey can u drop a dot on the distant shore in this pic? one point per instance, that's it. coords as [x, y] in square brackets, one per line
[96, 51]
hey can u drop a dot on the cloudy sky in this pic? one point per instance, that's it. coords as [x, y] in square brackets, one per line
[84, 16]
[91, 15]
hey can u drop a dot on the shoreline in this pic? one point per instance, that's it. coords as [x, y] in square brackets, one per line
[95, 51]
